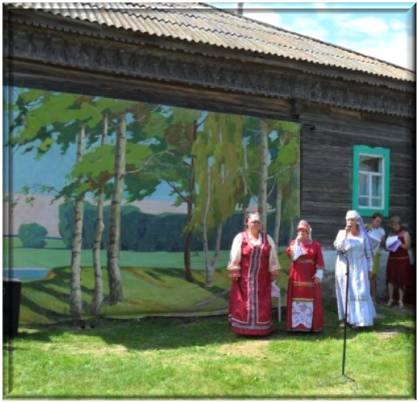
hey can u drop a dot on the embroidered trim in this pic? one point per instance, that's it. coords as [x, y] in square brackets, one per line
[250, 326]
[302, 314]
[302, 299]
[301, 284]
[304, 261]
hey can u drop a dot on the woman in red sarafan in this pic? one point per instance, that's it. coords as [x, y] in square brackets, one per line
[252, 267]
[398, 270]
[304, 296]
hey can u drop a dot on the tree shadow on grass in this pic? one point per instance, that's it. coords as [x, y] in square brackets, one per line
[143, 334]
[172, 333]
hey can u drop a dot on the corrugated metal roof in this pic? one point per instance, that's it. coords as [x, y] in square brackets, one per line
[203, 24]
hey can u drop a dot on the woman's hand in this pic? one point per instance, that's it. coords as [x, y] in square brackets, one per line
[235, 274]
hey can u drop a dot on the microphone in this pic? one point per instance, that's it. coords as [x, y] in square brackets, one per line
[342, 250]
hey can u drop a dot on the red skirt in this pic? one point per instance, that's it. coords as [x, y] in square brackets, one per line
[304, 299]
[398, 270]
[250, 296]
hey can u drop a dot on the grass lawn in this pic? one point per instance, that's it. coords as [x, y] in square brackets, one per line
[200, 357]
[188, 357]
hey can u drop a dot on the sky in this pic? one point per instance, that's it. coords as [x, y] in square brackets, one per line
[381, 29]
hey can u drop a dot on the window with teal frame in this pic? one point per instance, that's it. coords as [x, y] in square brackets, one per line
[371, 173]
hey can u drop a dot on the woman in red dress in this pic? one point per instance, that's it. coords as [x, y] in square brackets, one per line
[398, 269]
[304, 296]
[252, 267]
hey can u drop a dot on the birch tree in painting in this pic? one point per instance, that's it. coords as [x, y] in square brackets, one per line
[97, 266]
[178, 170]
[217, 177]
[264, 162]
[75, 293]
[115, 285]
[47, 118]
[284, 149]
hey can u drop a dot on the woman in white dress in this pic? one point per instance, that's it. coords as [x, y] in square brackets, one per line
[353, 243]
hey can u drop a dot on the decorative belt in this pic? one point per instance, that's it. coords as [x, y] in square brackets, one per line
[399, 258]
[305, 261]
[301, 284]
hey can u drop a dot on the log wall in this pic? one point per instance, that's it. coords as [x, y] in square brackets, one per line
[327, 143]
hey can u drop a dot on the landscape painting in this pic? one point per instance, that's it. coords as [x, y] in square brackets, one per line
[119, 208]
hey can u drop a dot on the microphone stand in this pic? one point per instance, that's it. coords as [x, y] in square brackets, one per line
[344, 254]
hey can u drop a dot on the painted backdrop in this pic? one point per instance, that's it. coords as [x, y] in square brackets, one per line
[123, 208]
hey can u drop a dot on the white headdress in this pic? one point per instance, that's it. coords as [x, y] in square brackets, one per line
[352, 214]
[305, 225]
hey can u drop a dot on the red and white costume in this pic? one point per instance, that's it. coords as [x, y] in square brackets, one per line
[252, 262]
[304, 296]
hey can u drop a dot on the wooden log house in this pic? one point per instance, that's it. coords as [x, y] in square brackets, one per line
[357, 113]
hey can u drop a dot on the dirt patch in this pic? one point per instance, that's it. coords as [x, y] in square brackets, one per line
[254, 348]
[89, 350]
[386, 335]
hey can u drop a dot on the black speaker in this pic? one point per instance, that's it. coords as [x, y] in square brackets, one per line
[11, 306]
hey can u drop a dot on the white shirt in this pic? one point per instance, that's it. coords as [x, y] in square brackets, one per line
[376, 235]
[235, 255]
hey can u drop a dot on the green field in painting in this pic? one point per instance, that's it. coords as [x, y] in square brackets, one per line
[153, 284]
[56, 255]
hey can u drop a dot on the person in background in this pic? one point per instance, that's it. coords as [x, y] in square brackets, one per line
[304, 296]
[377, 236]
[353, 245]
[398, 265]
[253, 265]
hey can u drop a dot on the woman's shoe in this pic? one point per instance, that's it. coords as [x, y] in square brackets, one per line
[401, 305]
[389, 303]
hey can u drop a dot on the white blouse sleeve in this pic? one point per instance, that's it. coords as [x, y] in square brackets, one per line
[319, 274]
[235, 254]
[339, 242]
[274, 264]
[296, 251]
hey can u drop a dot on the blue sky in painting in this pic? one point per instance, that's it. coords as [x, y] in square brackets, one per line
[384, 30]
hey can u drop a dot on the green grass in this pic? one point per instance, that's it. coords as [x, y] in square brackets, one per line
[201, 358]
[188, 357]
